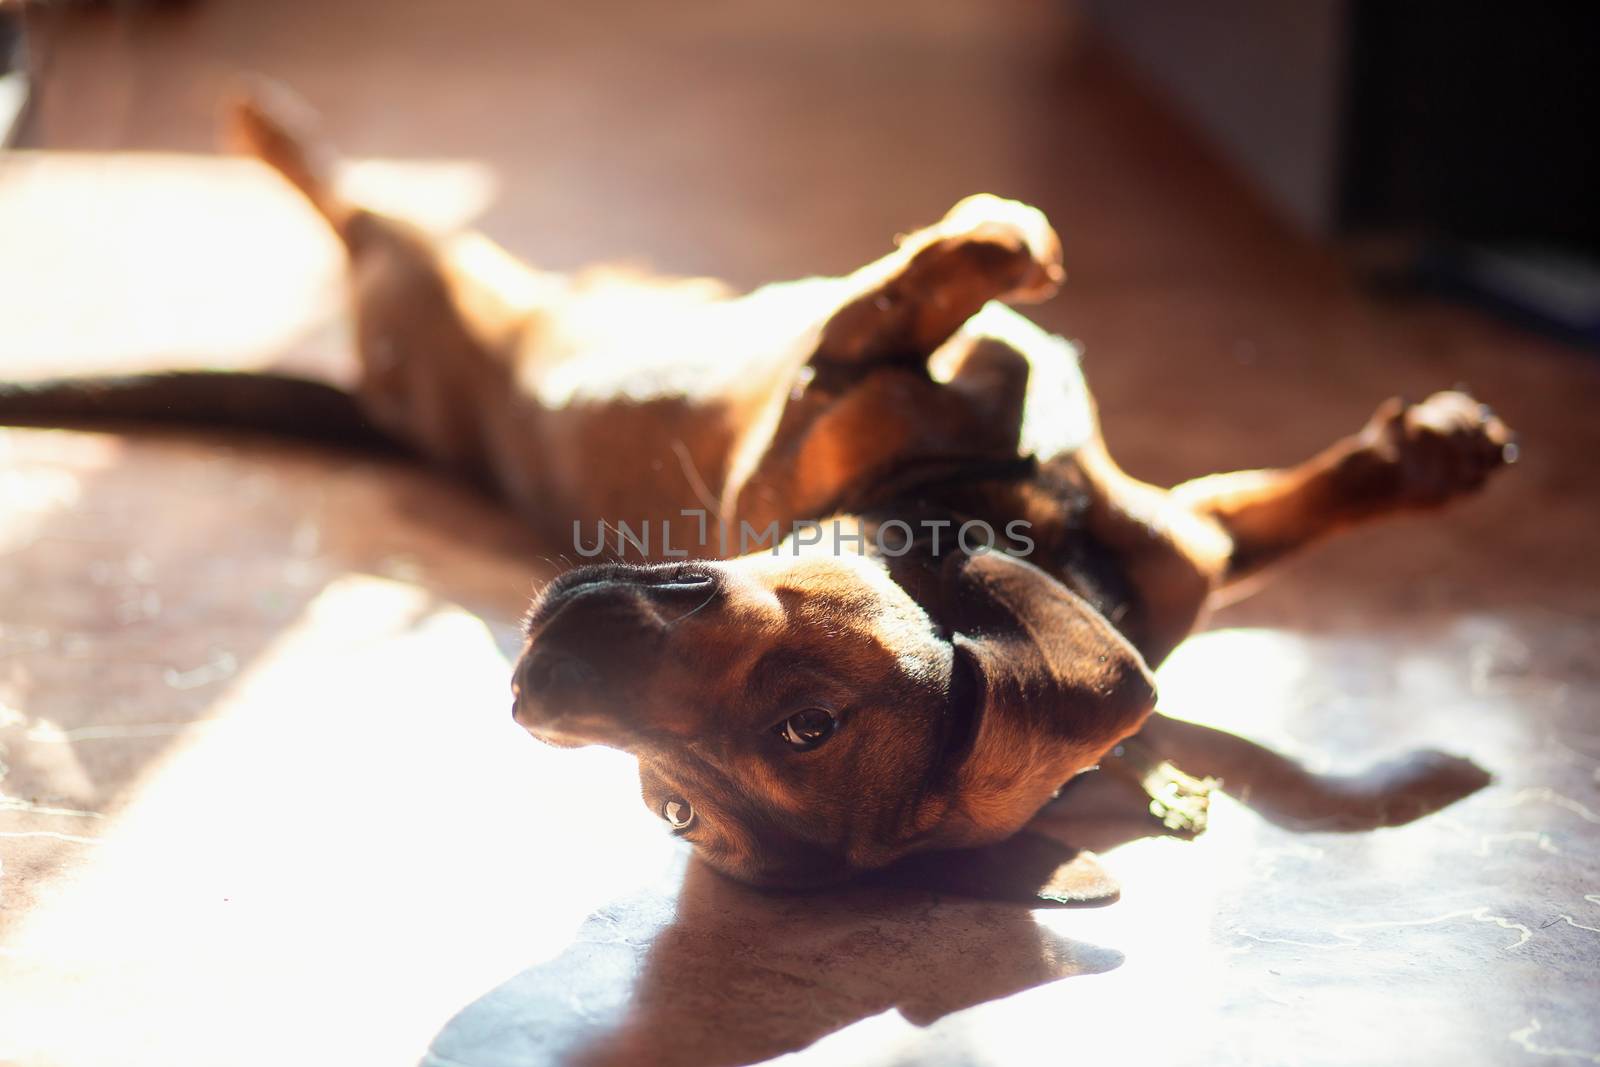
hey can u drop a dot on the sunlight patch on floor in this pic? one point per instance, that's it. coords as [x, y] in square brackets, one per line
[360, 800]
[117, 260]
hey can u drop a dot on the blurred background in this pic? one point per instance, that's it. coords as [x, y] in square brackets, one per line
[254, 759]
[1434, 145]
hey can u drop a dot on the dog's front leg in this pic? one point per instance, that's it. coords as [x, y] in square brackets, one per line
[858, 400]
[1409, 456]
[910, 302]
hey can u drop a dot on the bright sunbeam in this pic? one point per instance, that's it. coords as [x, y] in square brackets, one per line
[325, 816]
[192, 260]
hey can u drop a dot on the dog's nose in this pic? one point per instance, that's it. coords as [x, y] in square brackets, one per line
[595, 641]
[550, 672]
[565, 699]
[687, 590]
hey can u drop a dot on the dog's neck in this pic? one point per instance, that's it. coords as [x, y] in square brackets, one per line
[1033, 510]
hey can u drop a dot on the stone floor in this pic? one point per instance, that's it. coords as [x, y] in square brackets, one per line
[260, 802]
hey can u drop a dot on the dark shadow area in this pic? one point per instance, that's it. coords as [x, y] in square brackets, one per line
[1390, 792]
[1102, 811]
[727, 975]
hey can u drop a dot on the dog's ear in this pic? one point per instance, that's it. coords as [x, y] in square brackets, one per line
[1027, 868]
[1053, 685]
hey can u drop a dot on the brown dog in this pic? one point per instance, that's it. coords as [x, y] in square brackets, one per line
[888, 590]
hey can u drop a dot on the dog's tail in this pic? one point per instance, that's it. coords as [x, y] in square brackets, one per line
[267, 403]
[269, 122]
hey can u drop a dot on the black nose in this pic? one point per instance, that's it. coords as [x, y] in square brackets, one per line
[594, 639]
[610, 586]
[549, 672]
[686, 590]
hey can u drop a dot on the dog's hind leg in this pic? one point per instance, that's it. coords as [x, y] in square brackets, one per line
[434, 341]
[278, 128]
[273, 127]
[1409, 456]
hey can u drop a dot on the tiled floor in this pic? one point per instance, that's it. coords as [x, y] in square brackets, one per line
[261, 801]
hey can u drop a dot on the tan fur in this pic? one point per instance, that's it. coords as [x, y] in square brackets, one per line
[967, 687]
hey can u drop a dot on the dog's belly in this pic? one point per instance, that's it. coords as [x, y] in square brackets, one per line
[645, 472]
[626, 408]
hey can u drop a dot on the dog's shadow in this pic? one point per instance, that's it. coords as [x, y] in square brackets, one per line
[1102, 811]
[724, 974]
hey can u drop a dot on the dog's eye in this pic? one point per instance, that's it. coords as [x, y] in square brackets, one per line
[678, 812]
[807, 729]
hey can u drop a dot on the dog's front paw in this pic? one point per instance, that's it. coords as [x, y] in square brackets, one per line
[1429, 453]
[1011, 242]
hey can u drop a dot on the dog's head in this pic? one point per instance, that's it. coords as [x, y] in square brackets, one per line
[802, 719]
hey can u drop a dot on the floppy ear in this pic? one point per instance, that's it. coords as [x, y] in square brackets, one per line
[1056, 686]
[1027, 868]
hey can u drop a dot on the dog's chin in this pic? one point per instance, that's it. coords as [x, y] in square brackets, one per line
[555, 737]
[570, 729]
[790, 880]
